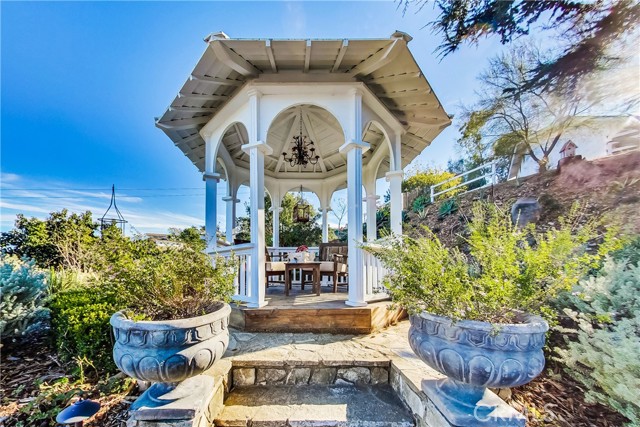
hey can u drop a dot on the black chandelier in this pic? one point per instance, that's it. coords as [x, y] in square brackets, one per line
[303, 151]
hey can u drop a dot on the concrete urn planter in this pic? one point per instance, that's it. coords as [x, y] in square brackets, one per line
[170, 351]
[475, 356]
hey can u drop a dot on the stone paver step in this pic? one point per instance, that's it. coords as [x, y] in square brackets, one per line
[314, 406]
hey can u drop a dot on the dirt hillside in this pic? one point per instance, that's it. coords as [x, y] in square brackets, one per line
[608, 186]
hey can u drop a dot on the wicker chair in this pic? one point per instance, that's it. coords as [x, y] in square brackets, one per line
[273, 269]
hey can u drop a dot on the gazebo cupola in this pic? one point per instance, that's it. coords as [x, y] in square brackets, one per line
[364, 103]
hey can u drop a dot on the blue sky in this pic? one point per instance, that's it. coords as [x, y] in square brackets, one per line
[82, 81]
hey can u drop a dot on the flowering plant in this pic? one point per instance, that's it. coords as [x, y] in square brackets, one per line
[302, 248]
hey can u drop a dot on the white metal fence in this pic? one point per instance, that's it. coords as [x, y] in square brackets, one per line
[489, 176]
[621, 147]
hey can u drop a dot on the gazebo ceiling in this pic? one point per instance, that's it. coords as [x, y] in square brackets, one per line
[317, 124]
[386, 66]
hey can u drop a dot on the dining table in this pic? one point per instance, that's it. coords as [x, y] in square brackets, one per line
[313, 266]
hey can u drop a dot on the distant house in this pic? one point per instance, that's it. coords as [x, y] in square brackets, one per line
[163, 240]
[598, 137]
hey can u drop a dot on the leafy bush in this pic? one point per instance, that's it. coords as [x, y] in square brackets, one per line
[61, 240]
[50, 400]
[53, 397]
[80, 322]
[23, 292]
[507, 268]
[426, 178]
[65, 280]
[603, 351]
[630, 253]
[174, 283]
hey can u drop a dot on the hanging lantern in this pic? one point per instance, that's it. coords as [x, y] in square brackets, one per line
[302, 210]
[108, 220]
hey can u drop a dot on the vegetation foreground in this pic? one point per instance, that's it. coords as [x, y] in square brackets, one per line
[61, 283]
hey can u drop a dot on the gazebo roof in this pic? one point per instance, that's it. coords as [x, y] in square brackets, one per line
[385, 66]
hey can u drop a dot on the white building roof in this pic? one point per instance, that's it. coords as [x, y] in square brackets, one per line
[385, 66]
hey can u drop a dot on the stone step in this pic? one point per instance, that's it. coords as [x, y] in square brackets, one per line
[314, 406]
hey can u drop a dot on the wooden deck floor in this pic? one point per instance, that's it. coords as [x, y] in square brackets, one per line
[304, 311]
[299, 298]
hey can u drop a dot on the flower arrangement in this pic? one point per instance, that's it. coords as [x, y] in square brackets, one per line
[302, 248]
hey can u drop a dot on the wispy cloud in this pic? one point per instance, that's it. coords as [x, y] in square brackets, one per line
[22, 195]
[294, 20]
[8, 178]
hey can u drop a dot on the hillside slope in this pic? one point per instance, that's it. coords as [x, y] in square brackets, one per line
[608, 186]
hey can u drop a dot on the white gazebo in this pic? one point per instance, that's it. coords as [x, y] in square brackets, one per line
[364, 102]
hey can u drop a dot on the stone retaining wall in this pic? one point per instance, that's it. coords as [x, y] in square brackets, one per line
[315, 374]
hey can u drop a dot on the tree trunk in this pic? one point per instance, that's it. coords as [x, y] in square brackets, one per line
[543, 164]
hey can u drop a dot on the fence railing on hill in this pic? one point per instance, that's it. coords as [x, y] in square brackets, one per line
[621, 147]
[489, 176]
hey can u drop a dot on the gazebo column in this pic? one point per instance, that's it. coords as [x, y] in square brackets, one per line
[276, 223]
[256, 149]
[372, 208]
[231, 216]
[325, 224]
[395, 188]
[211, 207]
[353, 149]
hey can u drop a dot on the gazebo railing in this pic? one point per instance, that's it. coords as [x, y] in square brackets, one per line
[374, 273]
[243, 279]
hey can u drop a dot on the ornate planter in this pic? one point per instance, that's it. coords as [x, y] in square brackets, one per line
[474, 356]
[173, 350]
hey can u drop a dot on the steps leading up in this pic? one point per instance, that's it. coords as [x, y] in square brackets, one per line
[314, 406]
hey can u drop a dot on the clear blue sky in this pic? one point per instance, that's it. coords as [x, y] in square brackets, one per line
[82, 82]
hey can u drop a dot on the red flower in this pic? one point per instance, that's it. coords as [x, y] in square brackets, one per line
[302, 248]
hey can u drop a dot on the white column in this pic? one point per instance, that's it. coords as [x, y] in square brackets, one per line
[353, 149]
[395, 188]
[231, 216]
[354, 222]
[276, 224]
[256, 149]
[211, 207]
[325, 224]
[372, 207]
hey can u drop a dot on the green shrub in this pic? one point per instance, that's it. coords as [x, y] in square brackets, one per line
[447, 208]
[22, 296]
[507, 268]
[175, 283]
[80, 322]
[49, 401]
[420, 202]
[427, 178]
[62, 240]
[603, 352]
[53, 397]
[65, 280]
[629, 253]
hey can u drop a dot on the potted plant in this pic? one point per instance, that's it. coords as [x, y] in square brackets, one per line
[480, 316]
[175, 324]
